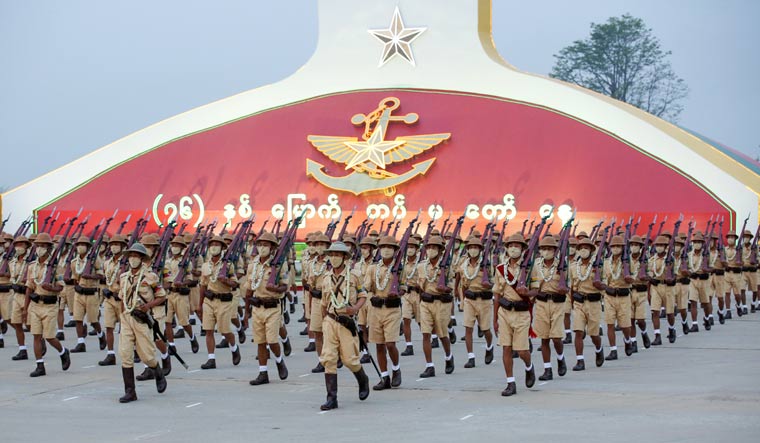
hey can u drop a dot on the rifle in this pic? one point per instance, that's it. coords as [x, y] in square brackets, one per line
[399, 259]
[345, 224]
[283, 249]
[659, 231]
[60, 228]
[739, 235]
[179, 279]
[645, 251]
[525, 222]
[93, 254]
[684, 267]
[530, 229]
[203, 249]
[753, 254]
[124, 223]
[446, 225]
[56, 254]
[445, 261]
[527, 264]
[5, 222]
[330, 230]
[157, 265]
[626, 256]
[636, 226]
[564, 244]
[548, 228]
[595, 230]
[255, 250]
[45, 223]
[52, 223]
[706, 247]
[70, 255]
[360, 230]
[485, 264]
[599, 259]
[229, 254]
[423, 250]
[395, 229]
[132, 240]
[669, 258]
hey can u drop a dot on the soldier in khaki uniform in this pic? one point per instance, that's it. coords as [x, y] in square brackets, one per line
[385, 316]
[15, 287]
[216, 296]
[734, 281]
[478, 299]
[587, 304]
[512, 315]
[367, 248]
[661, 291]
[435, 308]
[265, 300]
[342, 299]
[178, 300]
[548, 313]
[6, 296]
[700, 286]
[639, 291]
[717, 279]
[41, 305]
[141, 293]
[749, 271]
[86, 298]
[683, 282]
[317, 273]
[112, 302]
[410, 308]
[236, 311]
[68, 294]
[572, 255]
[617, 298]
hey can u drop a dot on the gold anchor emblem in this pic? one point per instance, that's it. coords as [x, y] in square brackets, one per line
[369, 157]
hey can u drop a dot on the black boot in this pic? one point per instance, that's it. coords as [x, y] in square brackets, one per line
[210, 364]
[2, 343]
[282, 370]
[110, 360]
[480, 333]
[739, 311]
[262, 379]
[408, 351]
[685, 327]
[194, 345]
[179, 333]
[452, 336]
[136, 357]
[745, 311]
[331, 383]
[65, 360]
[166, 364]
[385, 383]
[635, 347]
[450, 365]
[287, 349]
[721, 318]
[363, 381]
[396, 378]
[628, 349]
[236, 356]
[695, 328]
[489, 356]
[470, 363]
[4, 324]
[547, 375]
[70, 324]
[128, 374]
[293, 306]
[580, 366]
[530, 377]
[302, 319]
[657, 340]
[646, 341]
[304, 331]
[434, 343]
[611, 356]
[672, 335]
[60, 336]
[223, 344]
[158, 374]
[429, 372]
[599, 358]
[147, 374]
[241, 336]
[22, 355]
[39, 371]
[712, 320]
[510, 390]
[311, 347]
[317, 369]
[561, 367]
[286, 317]
[568, 338]
[706, 324]
[729, 316]
[80, 347]
[192, 322]
[102, 341]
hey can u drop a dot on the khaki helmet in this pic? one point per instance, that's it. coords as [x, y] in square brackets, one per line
[698, 237]
[368, 241]
[83, 240]
[43, 238]
[582, 234]
[217, 239]
[548, 242]
[320, 238]
[585, 241]
[268, 237]
[338, 246]
[661, 240]
[435, 241]
[474, 241]
[413, 242]
[118, 238]
[349, 240]
[572, 241]
[139, 248]
[617, 241]
[22, 239]
[516, 238]
[636, 239]
[178, 240]
[149, 240]
[387, 240]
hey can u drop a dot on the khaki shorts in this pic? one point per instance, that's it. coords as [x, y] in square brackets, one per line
[638, 305]
[434, 318]
[718, 285]
[384, 324]
[67, 298]
[86, 306]
[750, 280]
[338, 342]
[195, 298]
[137, 336]
[617, 310]
[480, 310]
[410, 307]
[315, 319]
[734, 282]
[699, 291]
[266, 324]
[682, 295]
[216, 313]
[569, 305]
[587, 316]
[307, 304]
[17, 307]
[43, 319]
[179, 305]
[549, 319]
[111, 312]
[363, 315]
[513, 329]
[662, 295]
[6, 304]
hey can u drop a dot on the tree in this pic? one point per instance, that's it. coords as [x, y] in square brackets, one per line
[624, 60]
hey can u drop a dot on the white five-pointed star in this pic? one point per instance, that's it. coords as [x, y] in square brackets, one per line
[397, 39]
[373, 150]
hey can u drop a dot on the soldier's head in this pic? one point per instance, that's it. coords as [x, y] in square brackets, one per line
[251, 237]
[177, 245]
[388, 246]
[350, 241]
[572, 246]
[515, 245]
[636, 243]
[585, 248]
[678, 245]
[82, 245]
[150, 242]
[320, 242]
[698, 241]
[266, 243]
[412, 247]
[731, 238]
[44, 244]
[474, 246]
[117, 244]
[136, 254]
[747, 237]
[216, 245]
[547, 247]
[660, 244]
[616, 245]
[337, 254]
[374, 235]
[434, 247]
[367, 247]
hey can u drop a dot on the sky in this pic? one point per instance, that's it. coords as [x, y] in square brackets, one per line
[79, 74]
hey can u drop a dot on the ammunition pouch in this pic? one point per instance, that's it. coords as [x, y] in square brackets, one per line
[346, 322]
[580, 297]
[518, 306]
[379, 302]
[85, 291]
[266, 303]
[483, 295]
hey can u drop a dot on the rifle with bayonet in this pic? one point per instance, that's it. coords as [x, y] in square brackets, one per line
[400, 257]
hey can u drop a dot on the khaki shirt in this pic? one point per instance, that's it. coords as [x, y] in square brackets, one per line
[77, 267]
[38, 272]
[715, 262]
[466, 269]
[612, 273]
[16, 268]
[334, 286]
[171, 269]
[257, 276]
[582, 277]
[545, 280]
[141, 288]
[317, 269]
[694, 264]
[732, 257]
[504, 272]
[635, 268]
[209, 273]
[656, 267]
[377, 280]
[111, 269]
[427, 278]
[409, 276]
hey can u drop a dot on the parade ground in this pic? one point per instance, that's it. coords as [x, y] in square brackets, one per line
[704, 387]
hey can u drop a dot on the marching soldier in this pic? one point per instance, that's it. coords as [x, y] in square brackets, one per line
[435, 307]
[112, 302]
[478, 299]
[661, 291]
[13, 302]
[140, 292]
[41, 306]
[587, 304]
[638, 296]
[385, 316]
[367, 249]
[236, 310]
[265, 300]
[216, 297]
[512, 316]
[682, 284]
[749, 272]
[342, 299]
[572, 256]
[734, 279]
[718, 278]
[617, 300]
[178, 300]
[86, 298]
[699, 290]
[410, 308]
[317, 273]
[548, 313]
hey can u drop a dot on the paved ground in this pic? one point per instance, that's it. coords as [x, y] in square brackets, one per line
[702, 388]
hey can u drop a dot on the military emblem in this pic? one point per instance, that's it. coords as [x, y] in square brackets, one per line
[368, 158]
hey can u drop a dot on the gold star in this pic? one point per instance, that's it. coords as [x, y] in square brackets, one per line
[373, 150]
[397, 40]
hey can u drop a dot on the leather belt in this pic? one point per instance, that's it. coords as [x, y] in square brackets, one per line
[618, 292]
[266, 303]
[344, 321]
[5, 288]
[719, 272]
[85, 291]
[517, 306]
[19, 289]
[216, 296]
[180, 291]
[580, 297]
[684, 280]
[430, 298]
[107, 293]
[44, 299]
[546, 296]
[192, 283]
[640, 288]
[389, 302]
[701, 276]
[483, 295]
[316, 293]
[735, 270]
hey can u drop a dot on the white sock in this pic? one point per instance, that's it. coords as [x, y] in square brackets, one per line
[528, 368]
[568, 331]
[684, 321]
[278, 358]
[429, 365]
[561, 357]
[433, 336]
[80, 340]
[22, 348]
[613, 348]
[234, 348]
[1, 336]
[451, 330]
[192, 336]
[285, 340]
[363, 353]
[598, 350]
[395, 367]
[579, 357]
[470, 355]
[409, 343]
[547, 365]
[449, 357]
[312, 340]
[163, 356]
[212, 357]
[58, 330]
[263, 369]
[489, 348]
[100, 334]
[453, 317]
[111, 352]
[384, 374]
[62, 351]
[643, 331]
[510, 379]
[41, 361]
[171, 343]
[656, 332]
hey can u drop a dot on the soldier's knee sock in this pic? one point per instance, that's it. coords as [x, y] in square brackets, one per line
[80, 340]
[395, 367]
[212, 356]
[433, 337]
[469, 355]
[560, 357]
[234, 348]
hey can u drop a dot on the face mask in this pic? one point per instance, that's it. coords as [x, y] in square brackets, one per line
[514, 252]
[135, 262]
[20, 250]
[264, 250]
[365, 252]
[730, 241]
[635, 249]
[547, 254]
[457, 244]
[336, 261]
[677, 248]
[571, 251]
[101, 248]
[41, 250]
[176, 250]
[473, 251]
[215, 250]
[616, 250]
[320, 249]
[584, 253]
[115, 249]
[81, 249]
[411, 252]
[386, 252]
[660, 249]
[311, 250]
[698, 246]
[432, 252]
